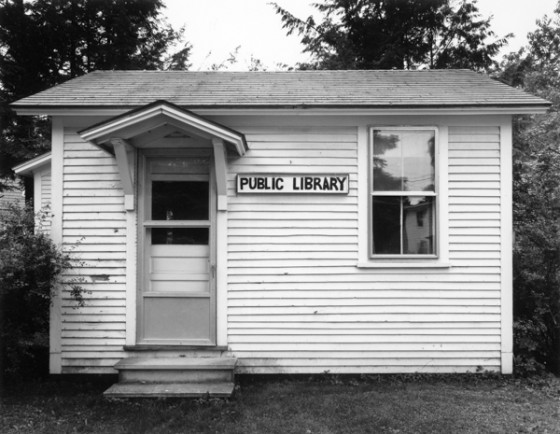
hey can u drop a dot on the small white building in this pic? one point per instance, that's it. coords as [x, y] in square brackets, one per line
[282, 222]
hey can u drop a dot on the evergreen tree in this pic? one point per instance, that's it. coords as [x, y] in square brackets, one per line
[536, 211]
[46, 42]
[396, 34]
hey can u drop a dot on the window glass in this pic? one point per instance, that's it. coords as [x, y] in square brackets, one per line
[386, 224]
[403, 225]
[403, 160]
[180, 235]
[180, 200]
[418, 225]
[387, 161]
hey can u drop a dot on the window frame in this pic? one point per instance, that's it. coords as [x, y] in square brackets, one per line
[402, 193]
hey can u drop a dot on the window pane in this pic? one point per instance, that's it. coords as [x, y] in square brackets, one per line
[418, 225]
[180, 200]
[418, 160]
[180, 235]
[387, 161]
[403, 160]
[386, 214]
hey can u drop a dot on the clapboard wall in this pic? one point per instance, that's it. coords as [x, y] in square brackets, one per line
[43, 197]
[296, 300]
[297, 303]
[93, 233]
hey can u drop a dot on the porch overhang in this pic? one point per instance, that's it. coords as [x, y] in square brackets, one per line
[156, 120]
[162, 124]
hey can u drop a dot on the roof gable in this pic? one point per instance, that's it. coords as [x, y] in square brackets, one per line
[157, 116]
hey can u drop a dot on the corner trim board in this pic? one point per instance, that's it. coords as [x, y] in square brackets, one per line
[507, 247]
[221, 172]
[55, 323]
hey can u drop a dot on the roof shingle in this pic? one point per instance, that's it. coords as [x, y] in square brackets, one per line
[328, 89]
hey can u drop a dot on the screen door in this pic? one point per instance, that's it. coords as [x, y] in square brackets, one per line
[177, 295]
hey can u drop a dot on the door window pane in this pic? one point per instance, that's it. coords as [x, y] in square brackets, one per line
[180, 235]
[180, 200]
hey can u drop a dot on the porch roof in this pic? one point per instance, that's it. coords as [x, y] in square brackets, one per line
[156, 120]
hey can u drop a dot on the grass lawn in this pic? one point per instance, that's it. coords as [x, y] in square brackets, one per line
[324, 404]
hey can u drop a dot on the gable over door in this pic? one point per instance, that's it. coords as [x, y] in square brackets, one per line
[176, 234]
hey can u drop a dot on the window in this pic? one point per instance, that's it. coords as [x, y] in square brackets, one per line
[403, 192]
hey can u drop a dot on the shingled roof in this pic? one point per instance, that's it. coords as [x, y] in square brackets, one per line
[296, 89]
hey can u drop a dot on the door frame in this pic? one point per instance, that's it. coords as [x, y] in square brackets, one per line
[143, 156]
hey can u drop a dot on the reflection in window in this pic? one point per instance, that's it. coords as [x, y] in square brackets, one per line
[395, 225]
[180, 200]
[180, 236]
[403, 161]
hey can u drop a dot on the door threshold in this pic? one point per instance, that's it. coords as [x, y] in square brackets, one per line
[155, 347]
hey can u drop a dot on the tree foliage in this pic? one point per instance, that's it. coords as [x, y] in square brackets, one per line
[46, 42]
[30, 265]
[537, 200]
[396, 34]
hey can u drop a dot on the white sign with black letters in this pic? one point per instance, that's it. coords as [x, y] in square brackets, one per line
[293, 183]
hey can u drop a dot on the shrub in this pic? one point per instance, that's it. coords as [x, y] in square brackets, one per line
[30, 264]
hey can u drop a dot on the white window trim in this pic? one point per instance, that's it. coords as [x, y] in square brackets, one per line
[441, 258]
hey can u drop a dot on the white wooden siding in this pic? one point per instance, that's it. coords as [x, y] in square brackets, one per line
[45, 187]
[93, 232]
[297, 302]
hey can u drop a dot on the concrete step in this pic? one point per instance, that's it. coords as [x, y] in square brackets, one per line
[176, 363]
[176, 370]
[169, 390]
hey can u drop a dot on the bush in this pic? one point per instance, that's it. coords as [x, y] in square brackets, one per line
[30, 264]
[536, 193]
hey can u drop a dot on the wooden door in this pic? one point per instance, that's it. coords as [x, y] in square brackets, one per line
[177, 305]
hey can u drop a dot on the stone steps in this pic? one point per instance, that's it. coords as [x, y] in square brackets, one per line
[169, 390]
[174, 377]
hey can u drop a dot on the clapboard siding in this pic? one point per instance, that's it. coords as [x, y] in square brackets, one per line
[44, 196]
[94, 233]
[297, 303]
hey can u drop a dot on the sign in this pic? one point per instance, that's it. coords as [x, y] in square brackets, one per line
[293, 183]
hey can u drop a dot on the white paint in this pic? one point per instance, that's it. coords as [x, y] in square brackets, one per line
[131, 252]
[478, 111]
[57, 163]
[220, 169]
[156, 116]
[122, 149]
[507, 246]
[289, 295]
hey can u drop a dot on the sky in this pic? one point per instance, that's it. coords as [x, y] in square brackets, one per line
[216, 28]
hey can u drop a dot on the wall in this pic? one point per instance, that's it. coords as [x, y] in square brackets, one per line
[297, 301]
[93, 231]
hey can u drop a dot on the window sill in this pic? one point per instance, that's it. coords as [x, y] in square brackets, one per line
[403, 265]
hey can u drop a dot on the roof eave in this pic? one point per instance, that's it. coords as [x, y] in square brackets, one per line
[138, 115]
[510, 109]
[30, 166]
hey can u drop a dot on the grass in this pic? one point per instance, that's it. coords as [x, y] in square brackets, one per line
[323, 404]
